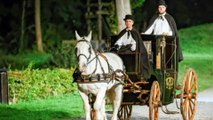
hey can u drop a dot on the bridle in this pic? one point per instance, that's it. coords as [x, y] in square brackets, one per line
[96, 58]
[90, 50]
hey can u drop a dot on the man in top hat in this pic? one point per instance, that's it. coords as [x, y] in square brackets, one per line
[131, 40]
[163, 23]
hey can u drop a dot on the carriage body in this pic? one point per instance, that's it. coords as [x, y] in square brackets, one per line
[163, 66]
[161, 88]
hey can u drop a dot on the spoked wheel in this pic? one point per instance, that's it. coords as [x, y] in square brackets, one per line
[125, 112]
[188, 98]
[154, 101]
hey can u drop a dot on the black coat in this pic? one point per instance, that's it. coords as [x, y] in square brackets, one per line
[145, 66]
[173, 26]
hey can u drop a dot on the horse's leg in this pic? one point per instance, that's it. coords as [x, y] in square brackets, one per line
[117, 95]
[103, 111]
[87, 107]
[98, 105]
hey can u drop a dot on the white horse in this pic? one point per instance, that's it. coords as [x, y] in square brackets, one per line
[97, 71]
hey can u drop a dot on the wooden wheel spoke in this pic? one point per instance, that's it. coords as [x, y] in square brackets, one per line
[194, 95]
[194, 84]
[185, 96]
[192, 87]
[191, 107]
[192, 102]
[125, 112]
[185, 101]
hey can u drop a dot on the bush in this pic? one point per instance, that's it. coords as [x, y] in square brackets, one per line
[21, 61]
[39, 83]
[63, 56]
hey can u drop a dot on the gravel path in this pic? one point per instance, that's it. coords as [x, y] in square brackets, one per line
[204, 109]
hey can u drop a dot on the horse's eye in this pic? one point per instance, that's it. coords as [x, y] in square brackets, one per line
[76, 51]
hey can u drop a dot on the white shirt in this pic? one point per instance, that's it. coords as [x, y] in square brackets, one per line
[160, 26]
[125, 40]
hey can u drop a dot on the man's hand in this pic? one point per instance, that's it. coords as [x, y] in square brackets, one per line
[165, 33]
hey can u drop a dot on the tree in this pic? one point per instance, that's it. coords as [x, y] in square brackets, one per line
[21, 44]
[38, 26]
[122, 8]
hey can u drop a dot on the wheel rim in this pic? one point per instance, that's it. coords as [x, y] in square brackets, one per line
[125, 112]
[154, 101]
[189, 93]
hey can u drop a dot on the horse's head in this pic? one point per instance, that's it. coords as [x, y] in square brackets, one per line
[83, 50]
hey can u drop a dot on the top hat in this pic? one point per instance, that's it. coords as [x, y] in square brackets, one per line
[129, 17]
[162, 2]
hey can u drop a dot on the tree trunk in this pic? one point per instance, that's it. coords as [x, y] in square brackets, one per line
[21, 43]
[38, 26]
[122, 8]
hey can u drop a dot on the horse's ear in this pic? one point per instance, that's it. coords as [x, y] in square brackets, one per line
[77, 35]
[89, 37]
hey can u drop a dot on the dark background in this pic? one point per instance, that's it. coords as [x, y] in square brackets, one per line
[60, 18]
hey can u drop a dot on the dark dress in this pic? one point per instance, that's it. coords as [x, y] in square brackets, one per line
[173, 26]
[145, 66]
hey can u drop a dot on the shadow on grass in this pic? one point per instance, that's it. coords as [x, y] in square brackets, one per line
[8, 113]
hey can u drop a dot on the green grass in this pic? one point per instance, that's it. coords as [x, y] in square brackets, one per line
[54, 108]
[203, 68]
[197, 39]
[197, 48]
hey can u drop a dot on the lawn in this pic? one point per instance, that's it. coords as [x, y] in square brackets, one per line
[54, 108]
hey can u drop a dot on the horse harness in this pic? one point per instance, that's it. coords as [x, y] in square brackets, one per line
[104, 77]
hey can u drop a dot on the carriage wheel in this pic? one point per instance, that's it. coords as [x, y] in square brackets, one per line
[188, 98]
[125, 112]
[154, 101]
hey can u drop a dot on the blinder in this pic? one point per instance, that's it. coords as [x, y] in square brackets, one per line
[90, 50]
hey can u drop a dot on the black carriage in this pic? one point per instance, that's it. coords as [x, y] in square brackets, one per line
[162, 88]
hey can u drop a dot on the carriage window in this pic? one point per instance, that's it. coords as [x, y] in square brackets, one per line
[170, 54]
[148, 46]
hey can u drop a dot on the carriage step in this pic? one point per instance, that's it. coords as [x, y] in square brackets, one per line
[135, 84]
[166, 111]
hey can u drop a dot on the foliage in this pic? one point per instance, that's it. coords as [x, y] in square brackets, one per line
[21, 61]
[136, 3]
[31, 83]
[52, 108]
[63, 56]
[59, 19]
